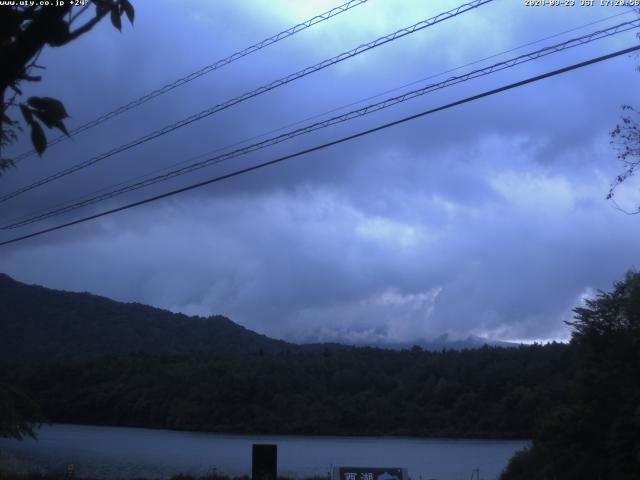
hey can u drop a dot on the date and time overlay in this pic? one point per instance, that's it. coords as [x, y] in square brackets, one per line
[581, 3]
[526, 3]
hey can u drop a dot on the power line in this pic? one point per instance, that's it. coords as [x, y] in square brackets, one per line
[585, 39]
[625, 26]
[265, 88]
[475, 62]
[329, 144]
[318, 115]
[203, 71]
[302, 121]
[312, 117]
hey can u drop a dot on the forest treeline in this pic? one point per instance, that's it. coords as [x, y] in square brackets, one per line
[597, 434]
[38, 323]
[487, 392]
[579, 402]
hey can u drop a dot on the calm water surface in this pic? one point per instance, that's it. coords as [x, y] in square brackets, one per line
[117, 452]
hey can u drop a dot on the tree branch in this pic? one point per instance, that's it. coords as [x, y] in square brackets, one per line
[85, 28]
[80, 12]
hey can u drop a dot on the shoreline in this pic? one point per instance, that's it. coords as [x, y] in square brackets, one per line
[115, 453]
[337, 435]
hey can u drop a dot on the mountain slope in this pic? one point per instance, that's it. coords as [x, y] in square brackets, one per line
[470, 342]
[38, 323]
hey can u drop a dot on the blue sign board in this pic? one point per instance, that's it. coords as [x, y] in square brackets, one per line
[369, 473]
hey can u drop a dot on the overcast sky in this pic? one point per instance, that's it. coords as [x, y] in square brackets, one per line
[487, 219]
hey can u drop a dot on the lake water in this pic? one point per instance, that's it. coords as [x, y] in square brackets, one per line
[117, 452]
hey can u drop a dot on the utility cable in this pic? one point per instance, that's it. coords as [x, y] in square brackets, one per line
[585, 39]
[317, 115]
[330, 144]
[199, 73]
[265, 88]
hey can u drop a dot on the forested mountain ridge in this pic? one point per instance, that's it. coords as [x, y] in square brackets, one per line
[141, 366]
[579, 402]
[596, 435]
[489, 392]
[37, 323]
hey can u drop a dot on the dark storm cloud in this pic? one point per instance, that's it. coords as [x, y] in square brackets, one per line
[486, 219]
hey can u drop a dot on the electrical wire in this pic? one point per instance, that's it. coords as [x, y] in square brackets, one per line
[583, 40]
[329, 144]
[265, 88]
[318, 115]
[199, 73]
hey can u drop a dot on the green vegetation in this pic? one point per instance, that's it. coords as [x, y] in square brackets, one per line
[38, 323]
[18, 413]
[580, 402]
[9, 475]
[26, 28]
[488, 392]
[597, 434]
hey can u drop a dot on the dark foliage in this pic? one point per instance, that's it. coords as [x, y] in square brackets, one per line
[61, 474]
[37, 323]
[18, 413]
[25, 29]
[596, 435]
[88, 359]
[626, 139]
[488, 392]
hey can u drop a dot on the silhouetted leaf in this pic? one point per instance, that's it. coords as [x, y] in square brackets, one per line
[38, 138]
[44, 117]
[128, 10]
[51, 122]
[26, 113]
[60, 126]
[115, 17]
[52, 106]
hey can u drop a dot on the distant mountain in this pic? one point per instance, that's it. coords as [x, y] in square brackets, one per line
[38, 323]
[445, 342]
[437, 344]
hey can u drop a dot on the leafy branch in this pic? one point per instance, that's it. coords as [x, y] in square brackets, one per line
[24, 32]
[625, 138]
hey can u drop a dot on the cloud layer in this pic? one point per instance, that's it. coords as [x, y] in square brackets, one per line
[487, 219]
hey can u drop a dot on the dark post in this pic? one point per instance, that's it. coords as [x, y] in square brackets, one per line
[265, 462]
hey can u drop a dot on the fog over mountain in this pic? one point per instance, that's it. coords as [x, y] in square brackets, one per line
[40, 324]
